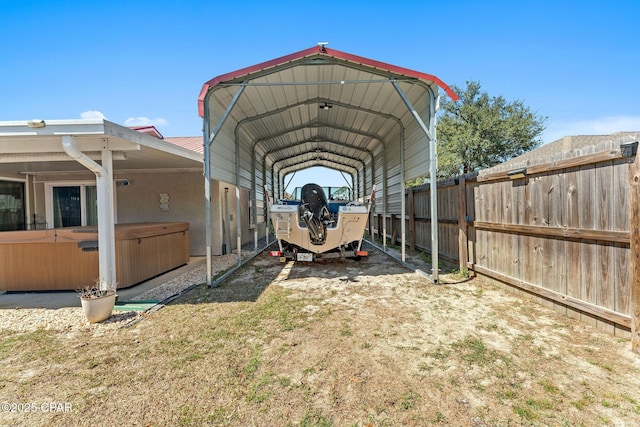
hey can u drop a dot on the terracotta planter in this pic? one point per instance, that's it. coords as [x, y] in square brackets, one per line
[100, 308]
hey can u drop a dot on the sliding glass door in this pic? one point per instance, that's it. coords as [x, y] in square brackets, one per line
[67, 210]
[91, 205]
[12, 210]
[73, 205]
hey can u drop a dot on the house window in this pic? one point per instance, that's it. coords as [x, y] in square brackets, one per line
[12, 211]
[71, 205]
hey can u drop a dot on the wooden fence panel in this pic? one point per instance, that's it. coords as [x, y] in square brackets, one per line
[448, 205]
[604, 218]
[561, 234]
[557, 279]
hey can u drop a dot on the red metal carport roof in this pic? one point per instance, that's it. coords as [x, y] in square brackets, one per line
[322, 51]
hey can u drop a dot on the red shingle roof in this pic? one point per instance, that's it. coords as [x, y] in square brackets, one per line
[149, 130]
[193, 143]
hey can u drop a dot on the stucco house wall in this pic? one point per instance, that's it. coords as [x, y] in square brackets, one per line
[140, 201]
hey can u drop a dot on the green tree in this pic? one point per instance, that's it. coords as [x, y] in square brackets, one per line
[480, 131]
[343, 193]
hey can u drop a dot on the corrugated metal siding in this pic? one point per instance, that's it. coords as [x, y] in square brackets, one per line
[246, 171]
[379, 179]
[393, 183]
[394, 190]
[416, 158]
[416, 154]
[223, 156]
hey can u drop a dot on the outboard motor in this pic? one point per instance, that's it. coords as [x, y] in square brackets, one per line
[314, 212]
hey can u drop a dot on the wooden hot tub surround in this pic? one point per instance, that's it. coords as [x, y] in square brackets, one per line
[67, 258]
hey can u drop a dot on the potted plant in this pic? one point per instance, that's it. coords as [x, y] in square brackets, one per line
[97, 303]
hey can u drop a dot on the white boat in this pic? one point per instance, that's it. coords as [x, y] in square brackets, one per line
[311, 226]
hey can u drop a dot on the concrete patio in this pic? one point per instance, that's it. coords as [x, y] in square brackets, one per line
[59, 299]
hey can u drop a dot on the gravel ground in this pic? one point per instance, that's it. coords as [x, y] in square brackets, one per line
[72, 319]
[190, 278]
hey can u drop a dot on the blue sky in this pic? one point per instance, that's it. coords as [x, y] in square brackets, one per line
[144, 62]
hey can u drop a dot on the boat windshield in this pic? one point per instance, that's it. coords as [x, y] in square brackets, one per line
[333, 193]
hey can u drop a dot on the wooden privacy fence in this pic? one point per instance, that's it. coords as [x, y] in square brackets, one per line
[563, 233]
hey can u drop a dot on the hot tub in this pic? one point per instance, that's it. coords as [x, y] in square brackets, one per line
[67, 258]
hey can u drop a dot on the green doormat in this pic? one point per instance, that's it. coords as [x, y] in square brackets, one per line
[141, 305]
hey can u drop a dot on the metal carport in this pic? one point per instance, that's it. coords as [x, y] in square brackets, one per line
[321, 106]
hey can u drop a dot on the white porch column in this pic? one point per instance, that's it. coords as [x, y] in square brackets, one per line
[106, 223]
[104, 188]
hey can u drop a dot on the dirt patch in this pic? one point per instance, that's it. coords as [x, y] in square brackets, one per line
[365, 343]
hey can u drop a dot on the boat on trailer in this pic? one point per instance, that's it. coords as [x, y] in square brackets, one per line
[310, 226]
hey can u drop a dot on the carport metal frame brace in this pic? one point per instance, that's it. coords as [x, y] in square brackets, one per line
[268, 119]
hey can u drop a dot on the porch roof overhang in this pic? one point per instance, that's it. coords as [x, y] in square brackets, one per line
[26, 150]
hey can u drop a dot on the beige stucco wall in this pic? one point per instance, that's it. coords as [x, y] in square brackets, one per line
[140, 201]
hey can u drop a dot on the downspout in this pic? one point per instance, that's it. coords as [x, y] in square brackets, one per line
[104, 188]
[70, 147]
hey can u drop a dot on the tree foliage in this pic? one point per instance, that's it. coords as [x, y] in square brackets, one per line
[480, 131]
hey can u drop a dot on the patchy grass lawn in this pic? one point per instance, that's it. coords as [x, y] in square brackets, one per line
[337, 344]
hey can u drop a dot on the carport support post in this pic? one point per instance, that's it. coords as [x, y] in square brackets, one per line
[403, 203]
[384, 199]
[433, 170]
[208, 140]
[238, 222]
[434, 101]
[238, 212]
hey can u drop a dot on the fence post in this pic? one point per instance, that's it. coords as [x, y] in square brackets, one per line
[634, 228]
[412, 219]
[462, 224]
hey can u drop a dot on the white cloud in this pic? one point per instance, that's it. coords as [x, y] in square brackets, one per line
[145, 121]
[91, 114]
[599, 126]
